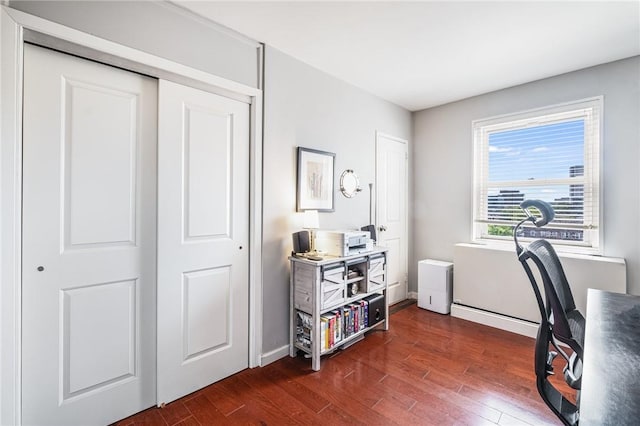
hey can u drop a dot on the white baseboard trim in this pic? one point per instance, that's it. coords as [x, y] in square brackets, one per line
[513, 325]
[274, 355]
[413, 295]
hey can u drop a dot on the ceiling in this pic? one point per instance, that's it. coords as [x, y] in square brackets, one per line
[422, 54]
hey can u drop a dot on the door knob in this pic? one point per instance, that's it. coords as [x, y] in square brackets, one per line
[382, 228]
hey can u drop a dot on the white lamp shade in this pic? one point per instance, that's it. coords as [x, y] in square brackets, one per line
[311, 219]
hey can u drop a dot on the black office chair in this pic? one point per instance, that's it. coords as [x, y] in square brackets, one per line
[566, 411]
[560, 320]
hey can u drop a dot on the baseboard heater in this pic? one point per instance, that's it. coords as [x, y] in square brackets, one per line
[491, 287]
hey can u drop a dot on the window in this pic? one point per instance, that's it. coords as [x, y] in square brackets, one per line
[551, 154]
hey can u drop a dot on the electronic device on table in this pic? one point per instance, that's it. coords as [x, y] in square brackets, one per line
[343, 243]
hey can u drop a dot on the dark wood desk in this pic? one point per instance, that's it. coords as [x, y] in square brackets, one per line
[611, 372]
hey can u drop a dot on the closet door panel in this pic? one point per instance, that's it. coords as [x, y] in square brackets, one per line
[203, 228]
[89, 241]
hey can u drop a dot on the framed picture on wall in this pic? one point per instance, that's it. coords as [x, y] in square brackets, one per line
[315, 180]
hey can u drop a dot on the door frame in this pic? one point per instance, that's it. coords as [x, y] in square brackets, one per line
[405, 235]
[16, 28]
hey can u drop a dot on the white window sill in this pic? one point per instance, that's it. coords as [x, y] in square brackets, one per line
[575, 252]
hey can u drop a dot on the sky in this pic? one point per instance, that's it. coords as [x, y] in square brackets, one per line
[535, 153]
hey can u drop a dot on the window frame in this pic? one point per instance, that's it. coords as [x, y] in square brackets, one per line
[589, 109]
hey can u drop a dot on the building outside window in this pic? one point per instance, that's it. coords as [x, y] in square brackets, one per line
[550, 154]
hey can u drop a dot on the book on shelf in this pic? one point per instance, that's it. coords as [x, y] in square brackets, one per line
[332, 327]
[355, 309]
[338, 324]
[365, 313]
[347, 322]
[324, 333]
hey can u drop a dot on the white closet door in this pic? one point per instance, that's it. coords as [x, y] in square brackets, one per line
[89, 227]
[391, 195]
[203, 211]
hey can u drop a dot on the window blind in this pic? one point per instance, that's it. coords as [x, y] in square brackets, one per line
[550, 154]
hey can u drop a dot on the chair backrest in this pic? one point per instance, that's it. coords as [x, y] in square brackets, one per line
[567, 323]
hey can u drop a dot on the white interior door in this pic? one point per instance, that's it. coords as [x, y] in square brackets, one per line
[89, 227]
[203, 229]
[391, 208]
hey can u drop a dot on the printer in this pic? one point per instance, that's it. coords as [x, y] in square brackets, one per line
[342, 243]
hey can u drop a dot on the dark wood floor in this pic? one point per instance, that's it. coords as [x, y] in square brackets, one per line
[428, 369]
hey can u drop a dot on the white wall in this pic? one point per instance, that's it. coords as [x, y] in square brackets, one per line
[305, 107]
[443, 150]
[159, 28]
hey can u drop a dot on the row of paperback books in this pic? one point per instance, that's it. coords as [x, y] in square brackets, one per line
[335, 326]
[341, 323]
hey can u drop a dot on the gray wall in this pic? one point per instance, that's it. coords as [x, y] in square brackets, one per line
[443, 159]
[159, 28]
[305, 107]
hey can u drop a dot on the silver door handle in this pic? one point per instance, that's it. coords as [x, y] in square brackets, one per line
[382, 228]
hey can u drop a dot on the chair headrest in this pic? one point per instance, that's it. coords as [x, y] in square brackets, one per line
[543, 207]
